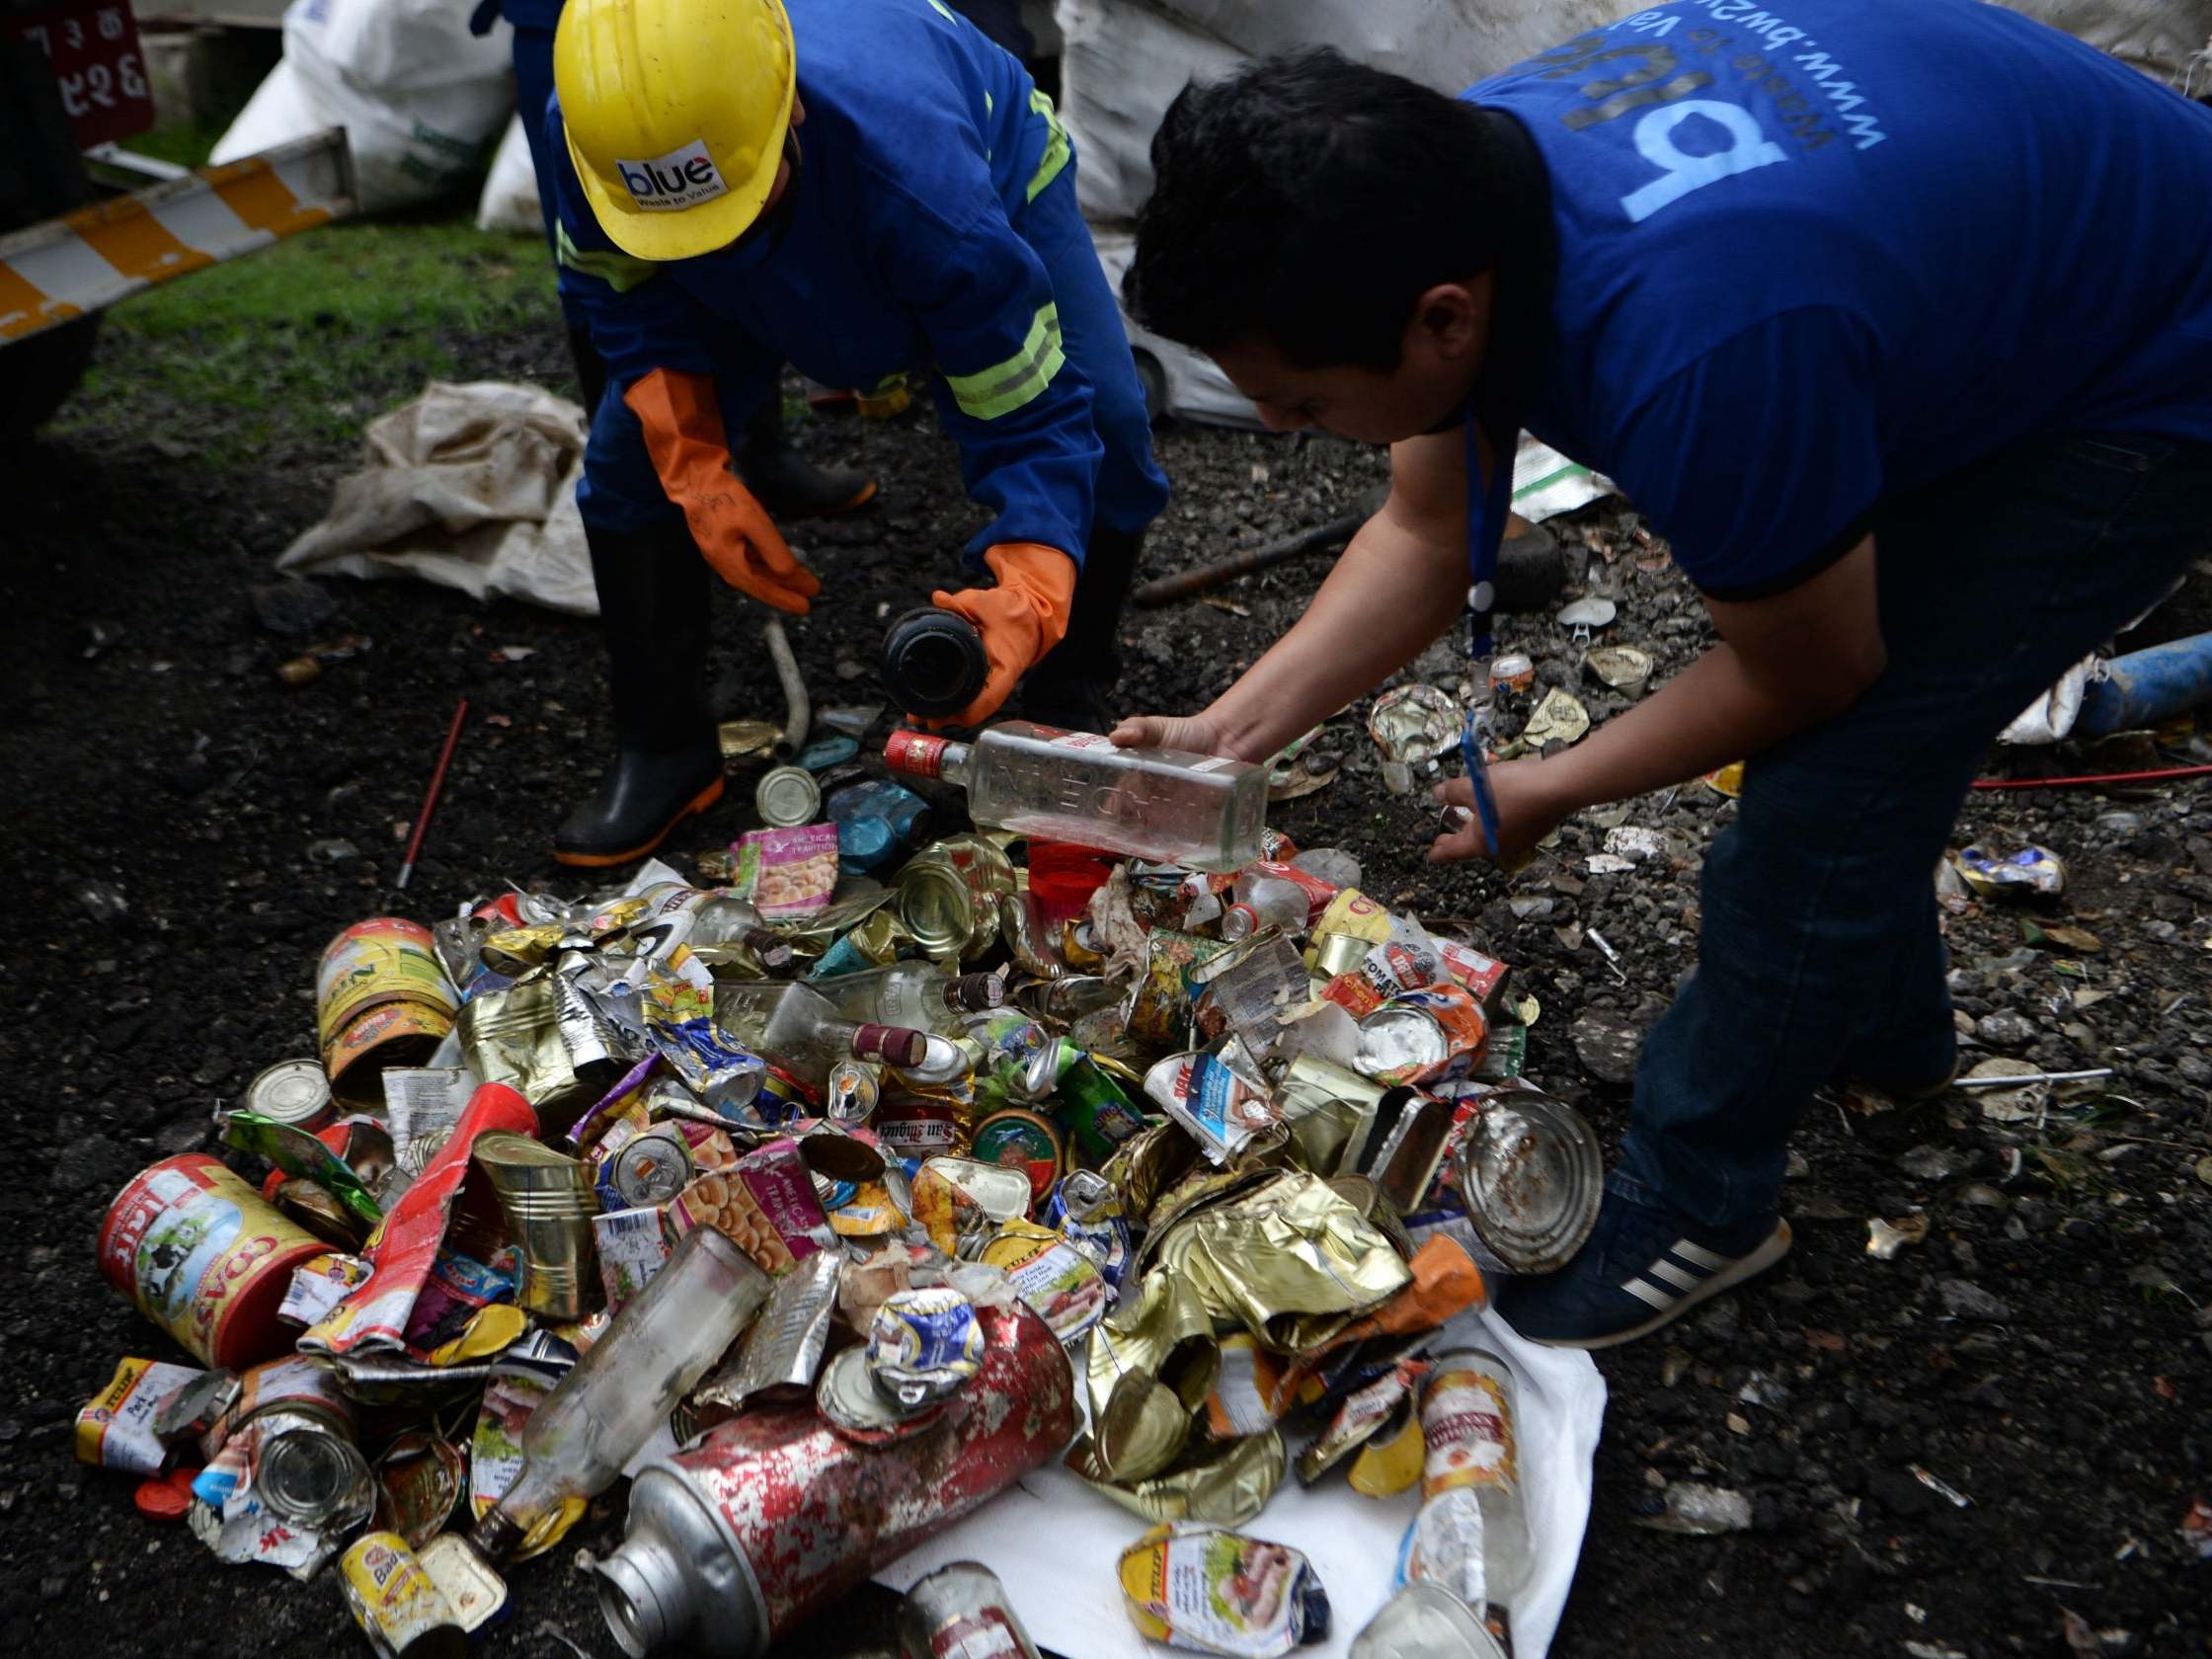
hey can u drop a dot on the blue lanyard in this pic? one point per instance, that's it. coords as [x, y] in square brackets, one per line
[1489, 502]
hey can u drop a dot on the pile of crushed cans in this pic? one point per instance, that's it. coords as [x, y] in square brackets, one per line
[829, 1193]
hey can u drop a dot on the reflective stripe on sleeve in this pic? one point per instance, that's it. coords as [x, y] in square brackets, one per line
[619, 271]
[1004, 388]
[1054, 158]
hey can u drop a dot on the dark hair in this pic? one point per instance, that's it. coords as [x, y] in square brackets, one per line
[1309, 201]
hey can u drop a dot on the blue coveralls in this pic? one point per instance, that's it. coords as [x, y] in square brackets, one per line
[931, 227]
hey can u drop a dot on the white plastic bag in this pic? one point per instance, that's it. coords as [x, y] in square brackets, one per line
[510, 198]
[418, 96]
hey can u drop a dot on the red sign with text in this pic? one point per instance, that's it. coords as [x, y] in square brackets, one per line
[99, 65]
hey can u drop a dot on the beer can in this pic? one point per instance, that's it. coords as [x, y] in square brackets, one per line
[787, 797]
[1513, 671]
[397, 1604]
[198, 1252]
[381, 997]
[294, 1092]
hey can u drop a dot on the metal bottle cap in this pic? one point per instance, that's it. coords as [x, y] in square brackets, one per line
[933, 661]
[787, 797]
[293, 1091]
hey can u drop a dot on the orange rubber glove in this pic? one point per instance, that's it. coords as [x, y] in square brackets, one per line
[690, 451]
[1020, 619]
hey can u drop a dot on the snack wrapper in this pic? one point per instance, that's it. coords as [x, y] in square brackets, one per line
[787, 872]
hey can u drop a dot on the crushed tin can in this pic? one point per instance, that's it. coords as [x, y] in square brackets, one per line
[381, 998]
[1622, 668]
[1423, 1036]
[1215, 1590]
[1413, 723]
[420, 1479]
[961, 1612]
[922, 1345]
[120, 1428]
[2032, 870]
[1029, 1141]
[1219, 1109]
[1062, 1283]
[396, 1602]
[948, 896]
[471, 1586]
[783, 1346]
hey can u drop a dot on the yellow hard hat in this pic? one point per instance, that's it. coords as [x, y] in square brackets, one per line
[676, 112]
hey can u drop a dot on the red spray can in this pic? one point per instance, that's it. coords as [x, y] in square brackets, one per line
[734, 1543]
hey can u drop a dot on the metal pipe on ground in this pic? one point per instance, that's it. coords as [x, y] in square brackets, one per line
[798, 708]
[1532, 568]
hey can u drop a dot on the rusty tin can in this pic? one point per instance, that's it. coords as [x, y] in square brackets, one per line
[774, 1515]
[1531, 1174]
[202, 1256]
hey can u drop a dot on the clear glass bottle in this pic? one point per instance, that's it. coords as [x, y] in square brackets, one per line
[1201, 811]
[727, 920]
[599, 1417]
[921, 996]
[1470, 1421]
[801, 1030]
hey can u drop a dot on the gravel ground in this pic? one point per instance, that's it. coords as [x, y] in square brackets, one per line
[2047, 1350]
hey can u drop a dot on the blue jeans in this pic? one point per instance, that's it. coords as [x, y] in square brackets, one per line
[1820, 944]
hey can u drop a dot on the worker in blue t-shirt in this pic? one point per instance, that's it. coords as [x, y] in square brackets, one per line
[1896, 321]
[864, 189]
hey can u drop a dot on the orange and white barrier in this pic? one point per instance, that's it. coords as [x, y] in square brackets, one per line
[64, 267]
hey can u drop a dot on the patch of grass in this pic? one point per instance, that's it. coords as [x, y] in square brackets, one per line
[309, 339]
[185, 143]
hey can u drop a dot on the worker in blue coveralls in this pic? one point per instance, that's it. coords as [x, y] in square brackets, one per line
[773, 468]
[1895, 320]
[862, 188]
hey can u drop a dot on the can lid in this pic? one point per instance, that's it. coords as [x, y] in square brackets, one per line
[917, 754]
[652, 1168]
[293, 1091]
[1531, 1174]
[937, 905]
[787, 797]
[313, 1478]
[933, 661]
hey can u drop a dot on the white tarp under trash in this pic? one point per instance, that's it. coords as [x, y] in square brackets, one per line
[469, 486]
[1053, 1541]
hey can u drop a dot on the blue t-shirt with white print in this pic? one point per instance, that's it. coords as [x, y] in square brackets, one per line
[1815, 253]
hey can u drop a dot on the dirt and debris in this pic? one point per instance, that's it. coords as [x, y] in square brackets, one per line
[176, 827]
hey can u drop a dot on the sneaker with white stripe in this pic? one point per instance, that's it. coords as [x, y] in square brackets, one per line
[1642, 1268]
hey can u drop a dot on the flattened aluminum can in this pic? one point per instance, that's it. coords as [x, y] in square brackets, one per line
[924, 1344]
[396, 1602]
[293, 1091]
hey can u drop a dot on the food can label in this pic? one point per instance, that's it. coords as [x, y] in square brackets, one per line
[382, 960]
[985, 1633]
[1467, 1424]
[1062, 1283]
[187, 1238]
[115, 1429]
[391, 1597]
[633, 1246]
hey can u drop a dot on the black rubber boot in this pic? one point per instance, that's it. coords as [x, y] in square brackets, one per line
[1075, 683]
[788, 484]
[655, 604]
[590, 372]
